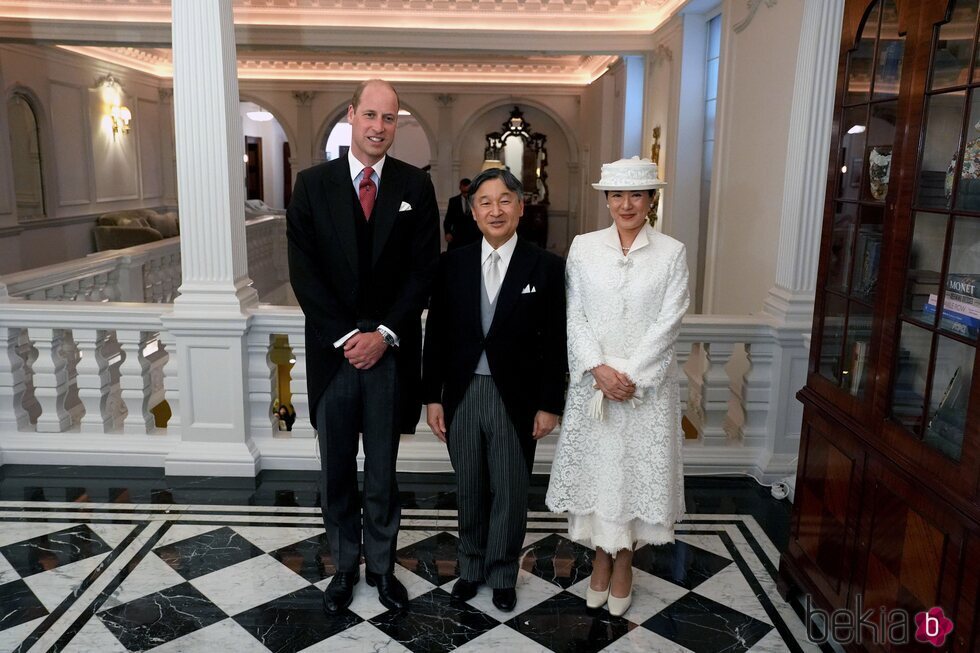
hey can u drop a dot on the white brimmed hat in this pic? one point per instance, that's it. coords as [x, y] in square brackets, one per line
[629, 174]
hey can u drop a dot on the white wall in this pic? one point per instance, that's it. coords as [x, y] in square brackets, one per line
[758, 68]
[86, 170]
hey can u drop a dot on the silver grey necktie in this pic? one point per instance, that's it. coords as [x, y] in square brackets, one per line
[492, 276]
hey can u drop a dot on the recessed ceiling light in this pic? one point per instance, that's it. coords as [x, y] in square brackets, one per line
[403, 112]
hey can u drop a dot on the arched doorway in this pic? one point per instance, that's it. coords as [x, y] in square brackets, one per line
[267, 174]
[25, 145]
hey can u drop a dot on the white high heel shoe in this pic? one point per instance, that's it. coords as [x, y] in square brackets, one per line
[595, 598]
[618, 606]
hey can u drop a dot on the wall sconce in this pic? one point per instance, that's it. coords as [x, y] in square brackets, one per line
[117, 116]
[121, 116]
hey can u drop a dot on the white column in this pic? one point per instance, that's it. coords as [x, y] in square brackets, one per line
[209, 321]
[449, 169]
[790, 301]
[806, 168]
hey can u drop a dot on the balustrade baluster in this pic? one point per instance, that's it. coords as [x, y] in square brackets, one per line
[297, 387]
[92, 379]
[717, 392]
[134, 381]
[262, 387]
[50, 380]
[13, 383]
[171, 380]
[757, 388]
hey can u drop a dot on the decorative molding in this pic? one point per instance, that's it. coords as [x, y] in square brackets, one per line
[347, 65]
[661, 54]
[304, 98]
[166, 94]
[445, 100]
[753, 6]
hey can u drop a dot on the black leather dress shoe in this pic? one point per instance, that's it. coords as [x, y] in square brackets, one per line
[464, 590]
[505, 599]
[340, 591]
[391, 592]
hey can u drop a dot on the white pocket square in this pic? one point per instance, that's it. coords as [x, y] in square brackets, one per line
[528, 289]
[405, 207]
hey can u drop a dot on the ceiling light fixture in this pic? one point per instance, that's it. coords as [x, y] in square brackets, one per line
[260, 116]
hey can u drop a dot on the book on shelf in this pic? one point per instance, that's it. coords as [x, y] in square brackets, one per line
[858, 360]
[960, 312]
[867, 261]
[963, 284]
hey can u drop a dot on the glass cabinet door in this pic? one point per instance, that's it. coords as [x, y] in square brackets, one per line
[864, 146]
[936, 336]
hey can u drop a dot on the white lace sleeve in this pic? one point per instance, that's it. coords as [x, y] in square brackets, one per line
[653, 355]
[584, 352]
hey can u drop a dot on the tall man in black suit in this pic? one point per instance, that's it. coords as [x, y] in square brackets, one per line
[459, 225]
[363, 234]
[494, 379]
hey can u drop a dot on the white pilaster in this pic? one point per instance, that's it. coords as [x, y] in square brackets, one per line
[790, 301]
[209, 322]
[302, 155]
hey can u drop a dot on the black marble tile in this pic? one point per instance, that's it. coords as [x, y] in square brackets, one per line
[433, 558]
[680, 563]
[564, 623]
[53, 550]
[310, 558]
[558, 560]
[207, 552]
[18, 604]
[740, 496]
[295, 621]
[434, 623]
[161, 617]
[706, 626]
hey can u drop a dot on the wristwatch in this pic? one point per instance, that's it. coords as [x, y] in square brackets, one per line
[387, 337]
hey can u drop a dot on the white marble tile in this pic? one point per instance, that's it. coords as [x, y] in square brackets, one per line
[13, 532]
[707, 542]
[11, 637]
[52, 587]
[360, 638]
[248, 584]
[225, 635]
[531, 591]
[366, 604]
[94, 636]
[179, 532]
[730, 588]
[771, 643]
[407, 538]
[502, 638]
[641, 640]
[112, 534]
[651, 594]
[151, 575]
[7, 573]
[275, 537]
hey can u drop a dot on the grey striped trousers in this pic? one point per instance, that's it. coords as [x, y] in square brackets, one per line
[491, 486]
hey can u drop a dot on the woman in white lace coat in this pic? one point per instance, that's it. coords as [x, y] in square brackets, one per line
[618, 471]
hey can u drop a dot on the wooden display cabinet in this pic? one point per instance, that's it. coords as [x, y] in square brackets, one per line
[887, 508]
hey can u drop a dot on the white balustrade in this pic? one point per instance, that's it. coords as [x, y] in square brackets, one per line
[146, 273]
[89, 376]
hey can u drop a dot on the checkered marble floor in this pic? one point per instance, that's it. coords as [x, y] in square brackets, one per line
[115, 578]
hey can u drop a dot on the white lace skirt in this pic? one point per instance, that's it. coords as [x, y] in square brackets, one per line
[612, 536]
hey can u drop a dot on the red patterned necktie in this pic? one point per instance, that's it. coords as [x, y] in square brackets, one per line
[367, 192]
